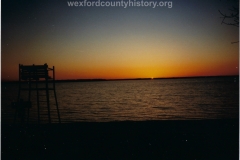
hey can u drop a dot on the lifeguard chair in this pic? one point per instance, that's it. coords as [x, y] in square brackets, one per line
[36, 78]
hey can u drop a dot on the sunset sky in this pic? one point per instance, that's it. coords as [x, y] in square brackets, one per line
[116, 42]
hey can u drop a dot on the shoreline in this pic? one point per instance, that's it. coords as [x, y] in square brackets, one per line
[124, 79]
[165, 139]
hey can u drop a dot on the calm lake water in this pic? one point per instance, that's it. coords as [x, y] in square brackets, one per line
[135, 100]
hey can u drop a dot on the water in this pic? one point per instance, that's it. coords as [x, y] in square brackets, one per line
[137, 100]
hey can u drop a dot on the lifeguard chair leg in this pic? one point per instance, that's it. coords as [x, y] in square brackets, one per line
[48, 105]
[59, 119]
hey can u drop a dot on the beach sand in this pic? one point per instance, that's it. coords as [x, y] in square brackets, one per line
[171, 139]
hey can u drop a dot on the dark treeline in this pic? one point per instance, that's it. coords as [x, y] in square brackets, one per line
[94, 80]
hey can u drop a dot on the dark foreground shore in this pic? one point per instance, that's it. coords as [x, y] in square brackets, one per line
[195, 139]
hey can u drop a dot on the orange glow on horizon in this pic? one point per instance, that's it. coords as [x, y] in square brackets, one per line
[156, 72]
[173, 68]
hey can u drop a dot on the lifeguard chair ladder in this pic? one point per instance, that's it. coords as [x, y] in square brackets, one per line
[37, 74]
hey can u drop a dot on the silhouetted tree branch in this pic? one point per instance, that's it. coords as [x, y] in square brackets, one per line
[231, 19]
[234, 16]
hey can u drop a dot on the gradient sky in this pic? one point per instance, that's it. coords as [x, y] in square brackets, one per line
[112, 42]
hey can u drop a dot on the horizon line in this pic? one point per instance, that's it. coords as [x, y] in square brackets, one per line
[115, 79]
